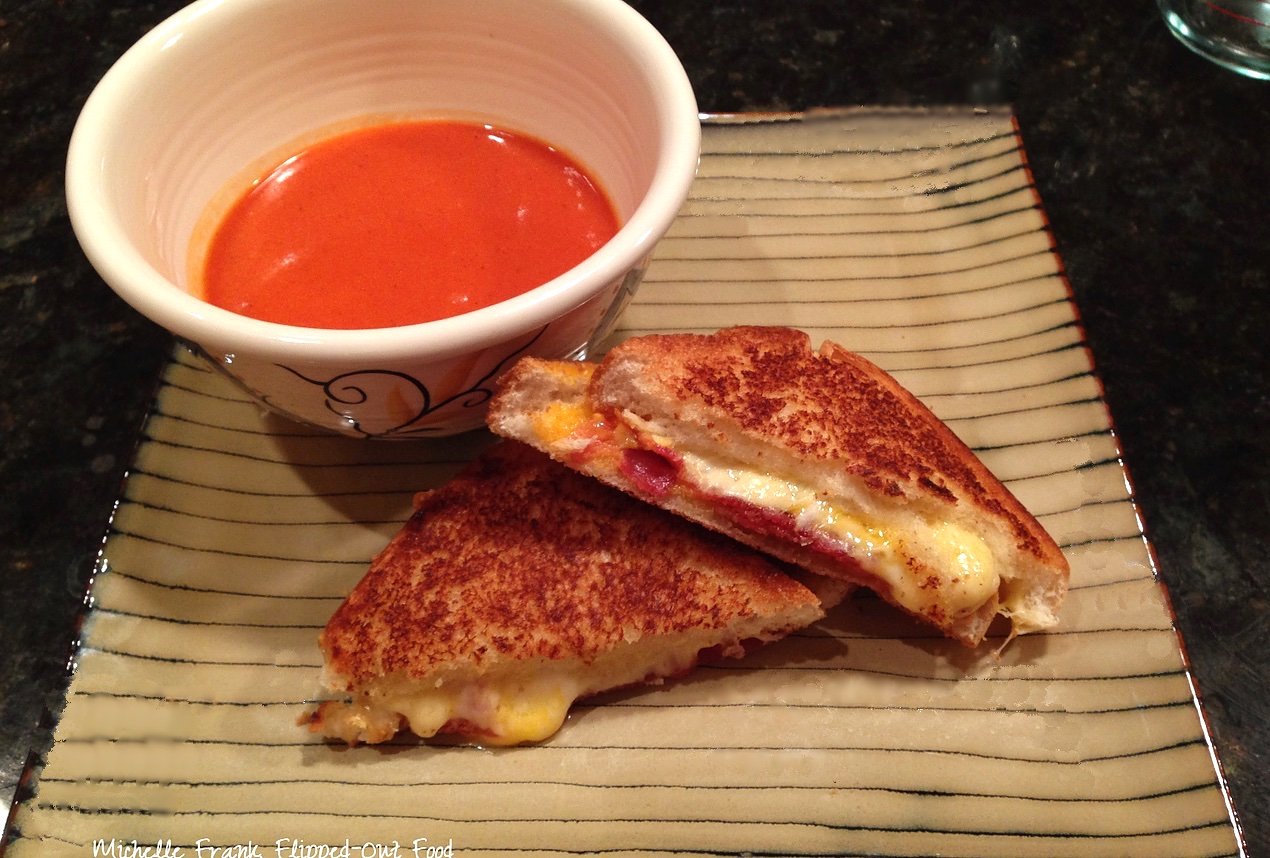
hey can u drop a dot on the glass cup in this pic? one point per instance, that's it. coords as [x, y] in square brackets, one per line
[1231, 33]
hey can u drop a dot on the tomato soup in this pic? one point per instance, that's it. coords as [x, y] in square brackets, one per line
[401, 223]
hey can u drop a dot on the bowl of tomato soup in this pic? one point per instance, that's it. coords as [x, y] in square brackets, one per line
[365, 212]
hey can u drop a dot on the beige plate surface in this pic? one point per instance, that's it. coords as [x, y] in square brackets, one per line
[915, 238]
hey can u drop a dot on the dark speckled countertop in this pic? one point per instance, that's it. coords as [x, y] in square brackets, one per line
[1152, 165]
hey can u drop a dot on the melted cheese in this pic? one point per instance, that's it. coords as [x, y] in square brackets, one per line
[956, 572]
[559, 420]
[953, 562]
[523, 702]
[507, 712]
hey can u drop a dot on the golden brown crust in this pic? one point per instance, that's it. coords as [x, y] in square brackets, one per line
[519, 558]
[833, 406]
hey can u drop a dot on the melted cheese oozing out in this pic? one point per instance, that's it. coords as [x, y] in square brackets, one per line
[507, 712]
[530, 701]
[957, 563]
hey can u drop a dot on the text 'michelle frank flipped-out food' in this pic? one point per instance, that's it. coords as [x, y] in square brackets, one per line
[521, 586]
[818, 458]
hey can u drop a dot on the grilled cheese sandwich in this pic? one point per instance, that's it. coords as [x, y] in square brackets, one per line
[520, 587]
[818, 458]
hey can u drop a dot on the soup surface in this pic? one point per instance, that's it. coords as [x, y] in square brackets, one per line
[401, 223]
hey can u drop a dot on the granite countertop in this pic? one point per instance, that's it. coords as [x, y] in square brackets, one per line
[1150, 162]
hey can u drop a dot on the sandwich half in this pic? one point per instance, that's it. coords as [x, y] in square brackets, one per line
[521, 586]
[817, 457]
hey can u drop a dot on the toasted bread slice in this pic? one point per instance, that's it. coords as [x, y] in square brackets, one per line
[817, 457]
[521, 586]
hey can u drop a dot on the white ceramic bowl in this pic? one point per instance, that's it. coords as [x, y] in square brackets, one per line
[224, 83]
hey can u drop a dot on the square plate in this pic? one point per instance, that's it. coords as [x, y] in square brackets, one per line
[914, 237]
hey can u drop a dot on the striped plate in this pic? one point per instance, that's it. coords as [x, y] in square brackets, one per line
[915, 238]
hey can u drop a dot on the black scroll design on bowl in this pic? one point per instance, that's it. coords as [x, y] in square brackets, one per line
[348, 391]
